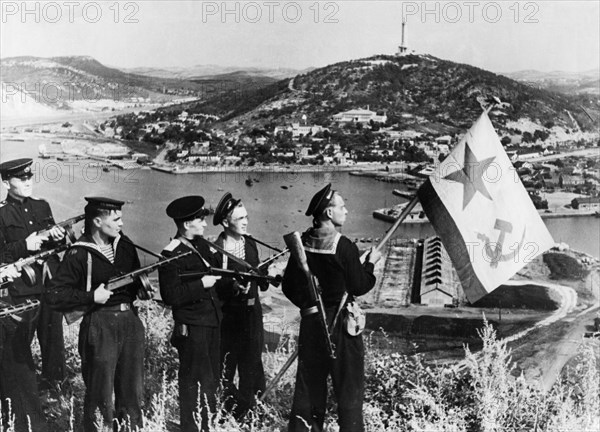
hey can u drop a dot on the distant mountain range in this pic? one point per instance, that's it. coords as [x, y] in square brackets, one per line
[78, 81]
[587, 82]
[204, 71]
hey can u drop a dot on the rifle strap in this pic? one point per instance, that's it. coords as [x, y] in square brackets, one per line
[46, 273]
[193, 248]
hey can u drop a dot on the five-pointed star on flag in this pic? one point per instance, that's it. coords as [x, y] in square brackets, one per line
[471, 176]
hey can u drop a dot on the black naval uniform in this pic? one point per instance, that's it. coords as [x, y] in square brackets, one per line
[335, 261]
[242, 337]
[17, 375]
[197, 315]
[17, 221]
[111, 336]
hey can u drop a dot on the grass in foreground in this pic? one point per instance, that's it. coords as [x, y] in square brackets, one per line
[402, 392]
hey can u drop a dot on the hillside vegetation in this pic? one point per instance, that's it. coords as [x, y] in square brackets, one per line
[418, 92]
[402, 392]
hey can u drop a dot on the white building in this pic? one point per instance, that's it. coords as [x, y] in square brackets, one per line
[359, 116]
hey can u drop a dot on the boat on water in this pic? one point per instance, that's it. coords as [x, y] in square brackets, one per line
[249, 182]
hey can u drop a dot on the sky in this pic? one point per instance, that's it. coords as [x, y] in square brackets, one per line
[501, 36]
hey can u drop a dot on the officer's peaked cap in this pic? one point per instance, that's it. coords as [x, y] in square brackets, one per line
[16, 168]
[187, 208]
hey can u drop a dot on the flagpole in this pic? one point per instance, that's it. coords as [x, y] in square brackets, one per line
[405, 212]
[489, 108]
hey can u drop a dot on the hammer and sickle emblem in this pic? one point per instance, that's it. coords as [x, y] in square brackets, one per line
[493, 250]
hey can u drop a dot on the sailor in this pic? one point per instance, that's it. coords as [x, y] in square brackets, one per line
[242, 333]
[111, 336]
[334, 260]
[22, 217]
[196, 310]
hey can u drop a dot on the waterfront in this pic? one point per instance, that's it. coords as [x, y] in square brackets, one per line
[276, 202]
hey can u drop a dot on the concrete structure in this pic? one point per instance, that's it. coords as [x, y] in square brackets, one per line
[437, 287]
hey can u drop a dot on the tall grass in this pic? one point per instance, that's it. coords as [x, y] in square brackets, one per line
[402, 393]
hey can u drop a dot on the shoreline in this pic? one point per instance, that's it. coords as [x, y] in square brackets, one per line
[382, 214]
[359, 168]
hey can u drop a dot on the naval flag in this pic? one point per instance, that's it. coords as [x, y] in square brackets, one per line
[482, 213]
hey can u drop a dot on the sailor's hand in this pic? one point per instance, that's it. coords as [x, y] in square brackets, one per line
[210, 281]
[101, 294]
[56, 233]
[10, 273]
[374, 255]
[34, 241]
[240, 288]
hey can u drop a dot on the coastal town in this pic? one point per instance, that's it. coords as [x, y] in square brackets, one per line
[559, 171]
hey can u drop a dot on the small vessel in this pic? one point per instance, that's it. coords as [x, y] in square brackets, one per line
[249, 182]
[283, 187]
[105, 169]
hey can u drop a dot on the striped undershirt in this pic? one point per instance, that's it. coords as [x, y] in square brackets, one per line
[107, 251]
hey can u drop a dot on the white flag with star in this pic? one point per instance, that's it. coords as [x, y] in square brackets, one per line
[482, 213]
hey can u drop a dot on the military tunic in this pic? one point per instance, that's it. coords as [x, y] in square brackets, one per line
[19, 219]
[111, 336]
[242, 337]
[335, 261]
[196, 336]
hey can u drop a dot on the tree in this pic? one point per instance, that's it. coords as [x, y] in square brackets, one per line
[575, 203]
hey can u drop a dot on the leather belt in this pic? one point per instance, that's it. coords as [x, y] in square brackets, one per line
[121, 307]
[309, 311]
[3, 292]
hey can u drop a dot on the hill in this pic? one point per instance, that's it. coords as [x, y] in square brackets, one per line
[81, 82]
[571, 83]
[417, 92]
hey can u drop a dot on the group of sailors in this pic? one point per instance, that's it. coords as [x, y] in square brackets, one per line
[213, 291]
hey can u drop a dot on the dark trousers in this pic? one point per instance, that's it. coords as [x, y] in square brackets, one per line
[198, 366]
[111, 345]
[17, 380]
[242, 339]
[315, 365]
[48, 325]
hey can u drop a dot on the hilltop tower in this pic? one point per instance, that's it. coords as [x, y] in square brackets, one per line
[402, 49]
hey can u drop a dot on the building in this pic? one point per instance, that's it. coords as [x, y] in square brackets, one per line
[437, 287]
[586, 203]
[359, 116]
[298, 130]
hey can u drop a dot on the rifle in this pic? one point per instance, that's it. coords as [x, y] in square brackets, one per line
[235, 259]
[272, 258]
[67, 225]
[294, 244]
[231, 273]
[121, 281]
[24, 264]
[7, 310]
